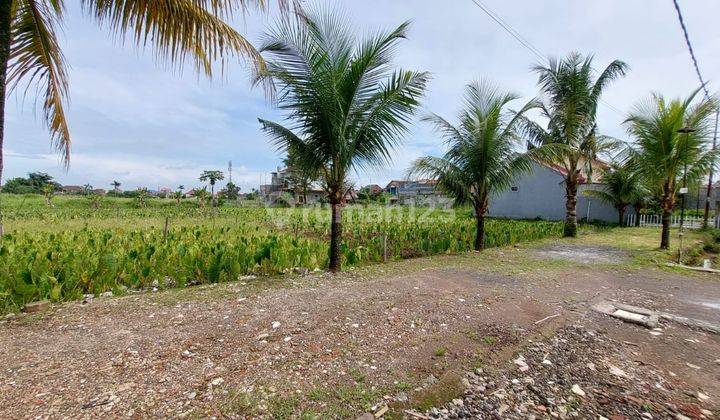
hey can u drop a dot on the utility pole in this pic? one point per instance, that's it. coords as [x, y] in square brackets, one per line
[230, 171]
[683, 191]
[706, 215]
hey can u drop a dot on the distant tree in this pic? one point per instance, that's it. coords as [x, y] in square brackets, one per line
[33, 184]
[299, 178]
[49, 192]
[231, 191]
[87, 189]
[142, 195]
[572, 91]
[347, 106]
[212, 177]
[177, 196]
[482, 158]
[116, 186]
[202, 195]
[662, 153]
[622, 187]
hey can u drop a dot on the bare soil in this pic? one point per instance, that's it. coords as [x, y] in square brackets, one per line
[404, 334]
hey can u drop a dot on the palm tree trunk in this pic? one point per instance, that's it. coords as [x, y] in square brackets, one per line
[335, 236]
[480, 232]
[570, 208]
[665, 236]
[5, 21]
[637, 215]
[621, 215]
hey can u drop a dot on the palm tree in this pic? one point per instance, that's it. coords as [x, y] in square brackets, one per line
[116, 186]
[179, 30]
[662, 155]
[48, 191]
[202, 196]
[212, 177]
[347, 108]
[622, 188]
[571, 96]
[482, 157]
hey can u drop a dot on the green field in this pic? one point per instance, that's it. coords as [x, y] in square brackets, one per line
[63, 252]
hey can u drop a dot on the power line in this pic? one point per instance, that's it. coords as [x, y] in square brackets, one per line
[690, 48]
[707, 97]
[524, 42]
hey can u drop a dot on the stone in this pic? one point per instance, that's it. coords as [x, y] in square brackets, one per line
[275, 325]
[36, 306]
[366, 416]
[217, 381]
[577, 390]
[702, 397]
[106, 294]
[617, 371]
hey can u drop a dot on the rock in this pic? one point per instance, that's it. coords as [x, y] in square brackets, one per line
[702, 397]
[106, 294]
[366, 416]
[217, 381]
[679, 416]
[503, 408]
[591, 366]
[430, 380]
[690, 365]
[263, 336]
[706, 413]
[187, 354]
[36, 306]
[617, 371]
[577, 390]
[275, 324]
[458, 402]
[401, 397]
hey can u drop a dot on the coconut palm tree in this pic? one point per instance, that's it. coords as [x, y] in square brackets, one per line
[212, 177]
[346, 107]
[179, 30]
[571, 95]
[662, 155]
[116, 186]
[483, 155]
[622, 188]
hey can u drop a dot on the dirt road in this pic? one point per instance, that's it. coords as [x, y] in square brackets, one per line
[409, 335]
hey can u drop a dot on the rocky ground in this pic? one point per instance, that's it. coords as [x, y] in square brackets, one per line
[392, 340]
[578, 373]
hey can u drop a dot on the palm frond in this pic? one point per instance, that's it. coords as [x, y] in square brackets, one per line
[179, 30]
[36, 59]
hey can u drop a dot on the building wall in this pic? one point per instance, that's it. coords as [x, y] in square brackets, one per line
[541, 194]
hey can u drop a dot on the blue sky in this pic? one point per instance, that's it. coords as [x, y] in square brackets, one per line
[146, 125]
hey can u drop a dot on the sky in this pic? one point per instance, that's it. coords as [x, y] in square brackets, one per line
[145, 125]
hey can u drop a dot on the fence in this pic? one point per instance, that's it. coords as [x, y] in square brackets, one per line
[690, 222]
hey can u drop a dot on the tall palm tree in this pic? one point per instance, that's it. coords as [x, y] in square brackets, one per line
[482, 157]
[662, 155]
[346, 107]
[622, 188]
[212, 177]
[179, 30]
[116, 185]
[571, 96]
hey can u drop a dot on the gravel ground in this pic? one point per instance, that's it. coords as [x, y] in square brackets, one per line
[578, 373]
